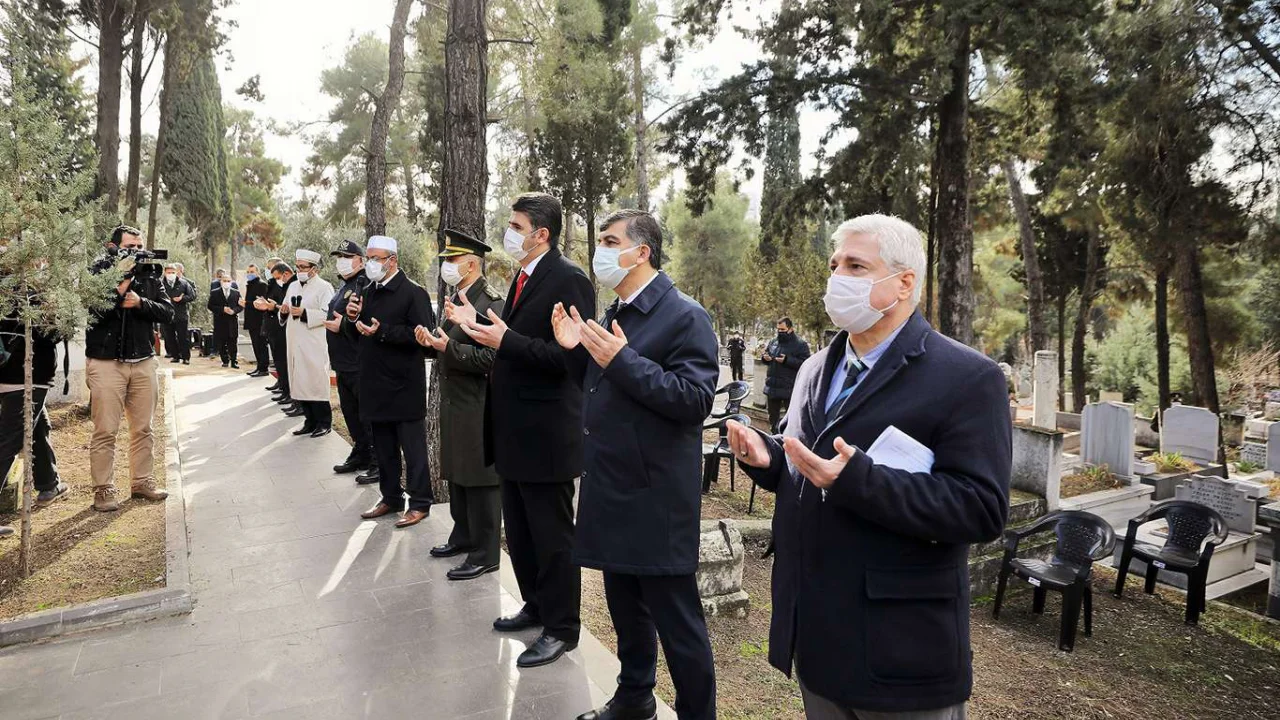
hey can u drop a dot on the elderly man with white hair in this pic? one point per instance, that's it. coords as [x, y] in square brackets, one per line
[894, 456]
[303, 312]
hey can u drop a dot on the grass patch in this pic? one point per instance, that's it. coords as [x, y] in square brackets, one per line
[1172, 463]
[1089, 479]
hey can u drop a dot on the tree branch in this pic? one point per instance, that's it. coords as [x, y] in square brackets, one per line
[75, 35]
[513, 41]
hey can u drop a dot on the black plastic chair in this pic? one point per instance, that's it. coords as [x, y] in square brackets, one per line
[1185, 551]
[714, 452]
[1082, 538]
[734, 392]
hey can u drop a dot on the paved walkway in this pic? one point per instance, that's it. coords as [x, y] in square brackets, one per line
[303, 610]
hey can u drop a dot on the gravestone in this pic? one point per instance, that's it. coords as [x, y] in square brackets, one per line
[1254, 453]
[721, 555]
[1230, 499]
[1273, 448]
[1269, 515]
[1272, 411]
[1037, 463]
[1191, 431]
[1107, 430]
[1109, 396]
[1044, 391]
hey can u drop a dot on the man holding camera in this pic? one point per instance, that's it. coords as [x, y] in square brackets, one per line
[121, 368]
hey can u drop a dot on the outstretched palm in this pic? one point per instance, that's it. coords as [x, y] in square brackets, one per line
[568, 332]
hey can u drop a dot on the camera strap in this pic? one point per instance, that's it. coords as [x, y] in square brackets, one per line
[66, 367]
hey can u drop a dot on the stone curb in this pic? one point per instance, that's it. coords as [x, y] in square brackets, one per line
[174, 599]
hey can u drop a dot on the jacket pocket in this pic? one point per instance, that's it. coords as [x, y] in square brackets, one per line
[912, 624]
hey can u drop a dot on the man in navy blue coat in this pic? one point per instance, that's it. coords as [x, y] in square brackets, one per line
[871, 582]
[647, 392]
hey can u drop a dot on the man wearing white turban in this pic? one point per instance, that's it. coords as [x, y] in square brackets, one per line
[303, 313]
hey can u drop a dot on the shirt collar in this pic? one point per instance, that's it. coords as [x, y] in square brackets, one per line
[636, 294]
[874, 354]
[387, 280]
[533, 264]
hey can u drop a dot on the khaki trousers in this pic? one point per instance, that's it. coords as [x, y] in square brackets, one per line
[116, 389]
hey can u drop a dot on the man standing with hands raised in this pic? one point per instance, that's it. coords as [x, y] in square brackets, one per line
[393, 380]
[474, 499]
[533, 424]
[871, 580]
[649, 388]
[303, 312]
[345, 360]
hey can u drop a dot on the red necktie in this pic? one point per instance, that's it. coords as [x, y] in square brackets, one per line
[524, 278]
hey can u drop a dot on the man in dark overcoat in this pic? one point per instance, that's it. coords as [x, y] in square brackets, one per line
[254, 288]
[393, 380]
[871, 576]
[649, 388]
[224, 305]
[344, 358]
[533, 424]
[474, 498]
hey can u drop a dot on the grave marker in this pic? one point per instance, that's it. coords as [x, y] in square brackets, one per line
[1191, 431]
[1044, 391]
[1107, 432]
[1230, 499]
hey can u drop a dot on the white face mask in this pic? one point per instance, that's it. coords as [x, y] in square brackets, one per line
[225, 286]
[346, 266]
[451, 274]
[375, 270]
[170, 278]
[280, 282]
[513, 243]
[608, 270]
[848, 302]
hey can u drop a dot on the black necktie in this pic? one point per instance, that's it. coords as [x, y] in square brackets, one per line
[853, 370]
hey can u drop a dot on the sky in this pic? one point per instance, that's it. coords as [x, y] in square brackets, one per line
[288, 43]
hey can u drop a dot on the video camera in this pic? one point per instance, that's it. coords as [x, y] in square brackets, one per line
[133, 263]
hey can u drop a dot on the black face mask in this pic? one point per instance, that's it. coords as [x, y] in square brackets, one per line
[782, 335]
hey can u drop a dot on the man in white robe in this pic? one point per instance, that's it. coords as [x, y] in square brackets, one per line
[303, 312]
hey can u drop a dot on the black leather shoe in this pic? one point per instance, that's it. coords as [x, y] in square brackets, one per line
[614, 711]
[321, 432]
[284, 400]
[235, 364]
[350, 465]
[469, 571]
[368, 477]
[447, 550]
[294, 412]
[175, 360]
[304, 430]
[226, 365]
[515, 623]
[544, 651]
[273, 388]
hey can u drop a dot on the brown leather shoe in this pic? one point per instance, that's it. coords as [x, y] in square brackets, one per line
[148, 491]
[377, 511]
[104, 499]
[411, 518]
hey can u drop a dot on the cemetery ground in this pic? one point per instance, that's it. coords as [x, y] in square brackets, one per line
[81, 555]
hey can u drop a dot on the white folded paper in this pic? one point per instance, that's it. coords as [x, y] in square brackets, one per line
[900, 451]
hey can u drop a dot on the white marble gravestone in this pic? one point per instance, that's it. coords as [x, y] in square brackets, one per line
[1229, 498]
[1107, 432]
[1191, 431]
[1044, 391]
[1255, 453]
[1273, 448]
[1037, 463]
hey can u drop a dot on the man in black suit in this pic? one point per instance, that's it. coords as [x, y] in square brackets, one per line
[224, 304]
[393, 380]
[344, 358]
[649, 386]
[533, 424]
[871, 579]
[254, 288]
[282, 276]
[177, 335]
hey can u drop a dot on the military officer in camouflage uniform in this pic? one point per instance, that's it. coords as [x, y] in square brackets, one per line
[474, 499]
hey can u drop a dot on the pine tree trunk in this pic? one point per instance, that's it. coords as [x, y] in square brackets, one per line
[590, 216]
[410, 194]
[131, 190]
[956, 299]
[28, 469]
[1199, 347]
[1062, 351]
[111, 26]
[165, 103]
[566, 234]
[1088, 288]
[375, 199]
[642, 130]
[465, 168]
[932, 246]
[1162, 338]
[1036, 327]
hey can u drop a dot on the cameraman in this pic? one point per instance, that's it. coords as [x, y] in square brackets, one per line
[121, 369]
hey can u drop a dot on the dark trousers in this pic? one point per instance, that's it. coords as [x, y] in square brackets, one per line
[261, 349]
[736, 369]
[539, 523]
[390, 439]
[477, 521]
[777, 410]
[349, 402]
[280, 351]
[181, 348]
[44, 464]
[316, 414]
[225, 335]
[649, 608]
[170, 344]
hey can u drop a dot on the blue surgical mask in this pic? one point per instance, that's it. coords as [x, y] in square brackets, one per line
[251, 277]
[605, 263]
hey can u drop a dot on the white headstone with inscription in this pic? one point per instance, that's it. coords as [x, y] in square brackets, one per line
[1230, 499]
[1044, 391]
[1254, 453]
